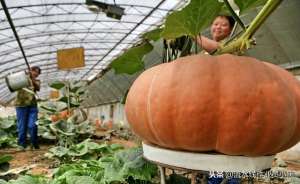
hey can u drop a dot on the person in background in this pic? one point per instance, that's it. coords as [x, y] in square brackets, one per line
[27, 111]
[220, 29]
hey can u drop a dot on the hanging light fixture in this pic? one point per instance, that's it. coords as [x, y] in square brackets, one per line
[111, 10]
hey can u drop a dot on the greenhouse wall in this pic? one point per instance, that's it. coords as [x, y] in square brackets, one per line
[107, 112]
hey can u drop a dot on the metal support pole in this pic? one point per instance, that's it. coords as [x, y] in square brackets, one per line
[14, 30]
[162, 171]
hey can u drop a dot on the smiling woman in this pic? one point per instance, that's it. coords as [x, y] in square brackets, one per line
[220, 29]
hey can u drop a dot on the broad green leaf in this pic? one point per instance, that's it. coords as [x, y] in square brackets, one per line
[5, 158]
[89, 168]
[131, 61]
[7, 140]
[192, 19]
[63, 127]
[77, 86]
[57, 85]
[52, 107]
[245, 5]
[80, 180]
[153, 35]
[4, 165]
[59, 151]
[128, 163]
[78, 150]
[116, 146]
[49, 109]
[75, 89]
[29, 180]
[63, 99]
[85, 128]
[73, 102]
[3, 181]
[6, 123]
[48, 135]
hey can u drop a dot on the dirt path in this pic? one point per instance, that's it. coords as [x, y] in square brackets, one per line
[33, 158]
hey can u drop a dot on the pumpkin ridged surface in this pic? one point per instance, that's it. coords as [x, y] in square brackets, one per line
[230, 104]
[294, 85]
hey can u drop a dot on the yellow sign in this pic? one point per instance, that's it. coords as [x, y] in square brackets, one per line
[54, 94]
[70, 58]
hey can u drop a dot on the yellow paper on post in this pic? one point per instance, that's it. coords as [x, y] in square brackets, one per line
[70, 58]
[54, 94]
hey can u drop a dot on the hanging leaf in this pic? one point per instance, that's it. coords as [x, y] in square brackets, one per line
[131, 61]
[245, 5]
[53, 107]
[57, 85]
[75, 89]
[153, 35]
[63, 99]
[192, 19]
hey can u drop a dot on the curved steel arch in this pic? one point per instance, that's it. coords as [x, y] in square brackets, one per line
[38, 45]
[47, 59]
[63, 14]
[41, 53]
[120, 41]
[3, 74]
[63, 4]
[57, 33]
[66, 21]
[132, 27]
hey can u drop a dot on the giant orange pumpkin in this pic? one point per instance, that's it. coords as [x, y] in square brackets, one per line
[230, 104]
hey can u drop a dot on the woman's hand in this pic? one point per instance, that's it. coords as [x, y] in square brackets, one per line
[207, 44]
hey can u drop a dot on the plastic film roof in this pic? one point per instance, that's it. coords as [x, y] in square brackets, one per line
[44, 26]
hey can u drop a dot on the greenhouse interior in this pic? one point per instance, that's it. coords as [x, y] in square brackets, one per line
[90, 94]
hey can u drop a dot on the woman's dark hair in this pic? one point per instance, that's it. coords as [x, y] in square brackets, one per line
[36, 68]
[230, 19]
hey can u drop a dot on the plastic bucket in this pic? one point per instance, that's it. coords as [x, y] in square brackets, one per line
[17, 81]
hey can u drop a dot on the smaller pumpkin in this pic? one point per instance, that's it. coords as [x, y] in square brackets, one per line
[54, 118]
[108, 124]
[65, 114]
